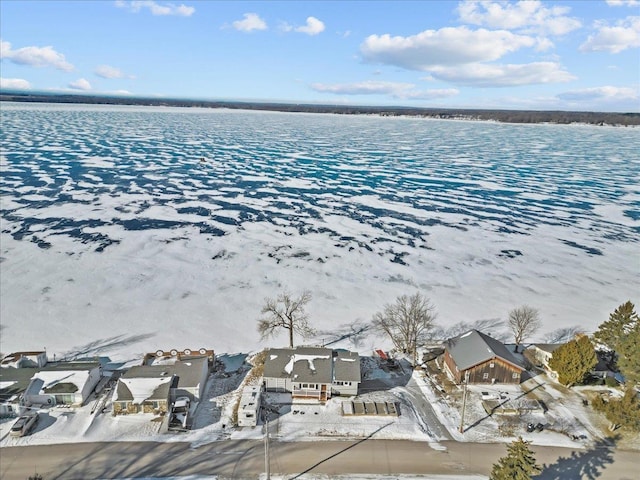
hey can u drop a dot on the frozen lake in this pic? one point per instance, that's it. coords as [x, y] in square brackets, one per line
[128, 229]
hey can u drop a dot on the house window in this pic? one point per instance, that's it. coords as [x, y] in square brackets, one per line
[492, 365]
[485, 376]
[515, 375]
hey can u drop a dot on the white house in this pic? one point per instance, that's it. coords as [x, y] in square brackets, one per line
[63, 383]
[32, 359]
[249, 408]
[312, 373]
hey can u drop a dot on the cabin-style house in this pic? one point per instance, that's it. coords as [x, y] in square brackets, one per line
[475, 357]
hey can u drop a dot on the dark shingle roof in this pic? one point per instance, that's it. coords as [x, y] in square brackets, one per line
[473, 348]
[346, 366]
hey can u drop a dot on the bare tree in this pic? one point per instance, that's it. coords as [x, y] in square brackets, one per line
[563, 334]
[286, 312]
[523, 322]
[406, 322]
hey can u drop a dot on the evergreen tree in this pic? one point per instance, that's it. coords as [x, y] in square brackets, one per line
[621, 412]
[573, 360]
[518, 464]
[628, 351]
[621, 334]
[620, 322]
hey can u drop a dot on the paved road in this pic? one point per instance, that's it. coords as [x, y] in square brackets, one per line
[425, 411]
[242, 459]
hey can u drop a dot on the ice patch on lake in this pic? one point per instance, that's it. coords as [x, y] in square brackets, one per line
[170, 227]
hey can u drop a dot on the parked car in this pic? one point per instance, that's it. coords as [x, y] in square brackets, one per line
[24, 424]
[180, 412]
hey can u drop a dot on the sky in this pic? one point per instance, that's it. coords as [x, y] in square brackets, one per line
[542, 55]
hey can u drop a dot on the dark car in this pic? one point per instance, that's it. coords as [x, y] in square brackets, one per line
[530, 427]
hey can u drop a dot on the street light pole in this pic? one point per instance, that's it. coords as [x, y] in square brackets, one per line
[266, 449]
[464, 401]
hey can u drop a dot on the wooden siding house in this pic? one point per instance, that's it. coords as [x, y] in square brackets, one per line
[477, 358]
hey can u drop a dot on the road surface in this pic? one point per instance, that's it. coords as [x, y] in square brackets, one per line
[243, 459]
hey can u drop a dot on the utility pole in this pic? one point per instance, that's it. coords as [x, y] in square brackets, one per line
[464, 401]
[266, 449]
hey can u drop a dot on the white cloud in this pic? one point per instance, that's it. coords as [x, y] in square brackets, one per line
[606, 93]
[80, 84]
[312, 27]
[525, 15]
[14, 84]
[394, 89]
[155, 8]
[250, 23]
[614, 39]
[107, 71]
[483, 75]
[447, 46]
[623, 3]
[35, 56]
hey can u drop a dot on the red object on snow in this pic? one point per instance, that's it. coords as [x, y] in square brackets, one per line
[382, 355]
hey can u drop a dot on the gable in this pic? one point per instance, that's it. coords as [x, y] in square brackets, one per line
[474, 348]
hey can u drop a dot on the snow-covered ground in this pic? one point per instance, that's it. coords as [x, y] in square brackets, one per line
[313, 422]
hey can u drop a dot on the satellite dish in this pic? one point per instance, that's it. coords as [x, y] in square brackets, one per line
[174, 352]
[159, 353]
[187, 351]
[202, 351]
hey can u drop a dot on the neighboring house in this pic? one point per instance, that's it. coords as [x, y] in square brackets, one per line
[143, 389]
[63, 383]
[175, 354]
[312, 373]
[478, 358]
[152, 388]
[16, 372]
[37, 359]
[542, 354]
[249, 408]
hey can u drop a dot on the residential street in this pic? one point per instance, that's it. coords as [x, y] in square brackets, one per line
[243, 459]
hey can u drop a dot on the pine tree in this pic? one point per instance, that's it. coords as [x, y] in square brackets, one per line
[573, 360]
[621, 412]
[620, 322]
[628, 351]
[518, 464]
[621, 334]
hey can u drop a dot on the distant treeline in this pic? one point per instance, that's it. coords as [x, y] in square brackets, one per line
[507, 116]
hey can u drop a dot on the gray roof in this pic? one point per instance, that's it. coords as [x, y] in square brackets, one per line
[188, 371]
[301, 364]
[473, 348]
[346, 366]
[16, 381]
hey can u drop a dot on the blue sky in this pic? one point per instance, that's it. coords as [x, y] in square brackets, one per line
[564, 55]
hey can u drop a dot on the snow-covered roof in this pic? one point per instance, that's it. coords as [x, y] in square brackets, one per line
[141, 389]
[61, 381]
[301, 364]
